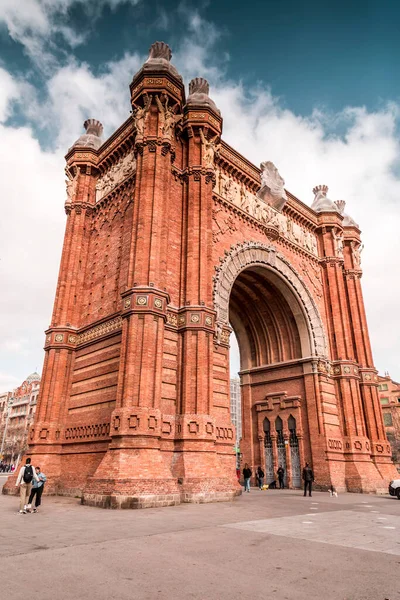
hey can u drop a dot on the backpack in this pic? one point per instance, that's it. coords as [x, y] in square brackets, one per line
[28, 474]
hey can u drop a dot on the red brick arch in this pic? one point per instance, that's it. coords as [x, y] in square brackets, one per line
[299, 298]
[134, 405]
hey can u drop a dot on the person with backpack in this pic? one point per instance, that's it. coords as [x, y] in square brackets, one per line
[24, 481]
[37, 490]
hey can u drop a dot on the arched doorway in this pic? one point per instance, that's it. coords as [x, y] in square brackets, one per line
[272, 336]
[279, 334]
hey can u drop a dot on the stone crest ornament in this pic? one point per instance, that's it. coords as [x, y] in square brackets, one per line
[347, 220]
[198, 94]
[92, 137]
[159, 60]
[210, 149]
[198, 85]
[321, 201]
[168, 118]
[160, 50]
[272, 189]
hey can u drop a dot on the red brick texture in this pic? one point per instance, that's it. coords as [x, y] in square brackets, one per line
[134, 407]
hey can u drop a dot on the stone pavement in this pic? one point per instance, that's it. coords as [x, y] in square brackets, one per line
[273, 544]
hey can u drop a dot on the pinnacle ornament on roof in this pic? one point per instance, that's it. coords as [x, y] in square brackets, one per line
[94, 127]
[320, 189]
[160, 50]
[199, 85]
[92, 137]
[159, 60]
[198, 94]
[321, 202]
[340, 204]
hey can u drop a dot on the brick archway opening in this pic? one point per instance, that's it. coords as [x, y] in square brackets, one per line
[279, 333]
[267, 328]
[275, 348]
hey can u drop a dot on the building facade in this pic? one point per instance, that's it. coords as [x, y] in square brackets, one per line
[236, 409]
[389, 395]
[21, 408]
[172, 239]
[4, 411]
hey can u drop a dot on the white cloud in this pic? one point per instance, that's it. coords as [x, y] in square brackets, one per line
[359, 165]
[31, 232]
[75, 93]
[36, 23]
[8, 382]
[9, 91]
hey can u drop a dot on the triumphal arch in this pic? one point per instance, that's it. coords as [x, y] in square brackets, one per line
[174, 240]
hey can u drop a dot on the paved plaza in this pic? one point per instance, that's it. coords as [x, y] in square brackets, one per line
[272, 544]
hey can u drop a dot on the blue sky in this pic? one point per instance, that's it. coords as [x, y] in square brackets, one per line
[312, 86]
[312, 53]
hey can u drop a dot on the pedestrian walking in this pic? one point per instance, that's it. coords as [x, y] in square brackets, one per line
[281, 474]
[37, 490]
[247, 473]
[24, 482]
[308, 478]
[260, 477]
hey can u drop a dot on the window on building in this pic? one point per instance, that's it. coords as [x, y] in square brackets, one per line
[383, 387]
[387, 419]
[384, 400]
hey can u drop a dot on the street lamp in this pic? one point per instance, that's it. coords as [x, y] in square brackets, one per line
[9, 405]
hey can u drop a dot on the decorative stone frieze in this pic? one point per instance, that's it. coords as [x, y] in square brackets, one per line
[112, 178]
[287, 228]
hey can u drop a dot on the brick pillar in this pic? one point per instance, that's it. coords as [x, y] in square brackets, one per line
[207, 474]
[45, 436]
[376, 445]
[347, 344]
[140, 474]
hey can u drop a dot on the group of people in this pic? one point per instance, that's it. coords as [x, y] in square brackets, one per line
[31, 485]
[6, 467]
[308, 478]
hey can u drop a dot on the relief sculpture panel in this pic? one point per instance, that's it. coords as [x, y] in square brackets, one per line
[115, 175]
[238, 194]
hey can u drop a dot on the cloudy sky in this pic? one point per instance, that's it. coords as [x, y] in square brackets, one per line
[312, 86]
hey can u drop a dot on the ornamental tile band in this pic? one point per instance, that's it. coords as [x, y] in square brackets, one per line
[99, 330]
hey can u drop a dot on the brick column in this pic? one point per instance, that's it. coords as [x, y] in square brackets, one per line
[376, 445]
[45, 435]
[206, 474]
[141, 476]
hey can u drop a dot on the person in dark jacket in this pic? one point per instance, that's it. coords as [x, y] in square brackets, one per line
[24, 481]
[308, 478]
[37, 490]
[281, 474]
[247, 473]
[260, 477]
